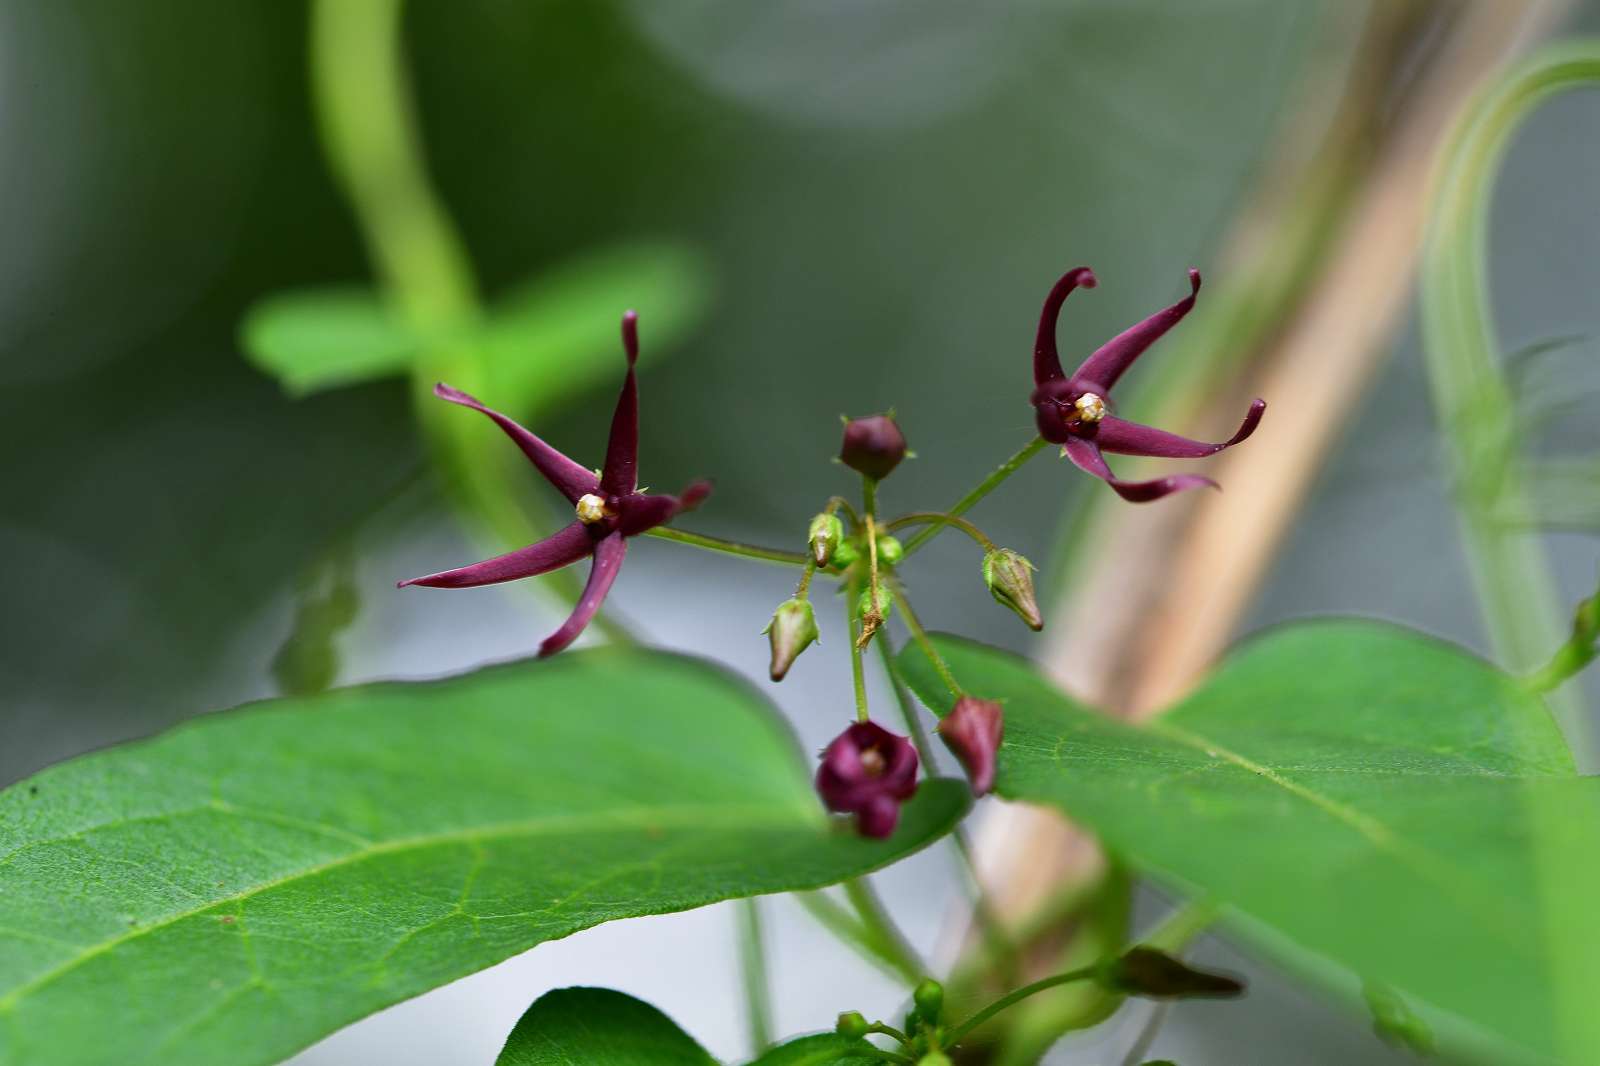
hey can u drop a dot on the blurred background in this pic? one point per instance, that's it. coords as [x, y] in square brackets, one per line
[216, 464]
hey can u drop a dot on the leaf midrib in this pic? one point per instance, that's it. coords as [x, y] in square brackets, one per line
[1425, 863]
[624, 819]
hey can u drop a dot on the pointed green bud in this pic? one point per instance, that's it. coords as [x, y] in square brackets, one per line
[826, 533]
[929, 998]
[851, 1025]
[792, 630]
[1010, 580]
[890, 551]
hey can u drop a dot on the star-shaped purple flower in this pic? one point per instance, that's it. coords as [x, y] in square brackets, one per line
[609, 507]
[1075, 412]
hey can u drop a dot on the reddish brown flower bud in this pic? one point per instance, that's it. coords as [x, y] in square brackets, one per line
[873, 446]
[1144, 971]
[791, 631]
[972, 731]
[868, 771]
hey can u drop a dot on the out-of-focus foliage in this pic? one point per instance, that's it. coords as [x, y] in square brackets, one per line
[548, 339]
[165, 493]
[1355, 790]
[242, 886]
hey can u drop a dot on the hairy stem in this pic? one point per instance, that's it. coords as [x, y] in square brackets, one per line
[920, 635]
[930, 517]
[986, 486]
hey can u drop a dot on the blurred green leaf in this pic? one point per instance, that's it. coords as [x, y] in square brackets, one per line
[250, 882]
[1362, 791]
[550, 337]
[822, 1049]
[558, 334]
[598, 1027]
[317, 339]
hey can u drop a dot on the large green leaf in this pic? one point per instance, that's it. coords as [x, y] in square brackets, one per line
[241, 886]
[1354, 790]
[599, 1027]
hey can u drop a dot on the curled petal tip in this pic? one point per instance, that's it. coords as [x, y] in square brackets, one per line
[694, 495]
[454, 395]
[1194, 281]
[1252, 419]
[630, 335]
[1082, 277]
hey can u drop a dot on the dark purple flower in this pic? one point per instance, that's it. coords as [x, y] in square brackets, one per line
[868, 771]
[1075, 412]
[872, 446]
[973, 730]
[609, 507]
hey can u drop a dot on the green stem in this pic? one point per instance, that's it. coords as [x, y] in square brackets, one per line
[921, 517]
[365, 118]
[920, 635]
[872, 617]
[986, 486]
[875, 921]
[753, 965]
[728, 547]
[844, 926]
[1013, 998]
[858, 675]
[997, 944]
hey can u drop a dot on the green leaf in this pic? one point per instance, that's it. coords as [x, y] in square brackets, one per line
[316, 339]
[244, 885]
[1353, 790]
[558, 334]
[598, 1027]
[822, 1049]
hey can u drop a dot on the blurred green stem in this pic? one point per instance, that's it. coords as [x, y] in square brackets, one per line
[880, 929]
[1478, 416]
[753, 964]
[368, 128]
[1477, 412]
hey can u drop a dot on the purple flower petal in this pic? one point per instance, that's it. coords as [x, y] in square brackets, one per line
[570, 479]
[639, 512]
[1130, 438]
[1108, 362]
[1086, 455]
[560, 549]
[608, 555]
[877, 817]
[621, 472]
[1046, 359]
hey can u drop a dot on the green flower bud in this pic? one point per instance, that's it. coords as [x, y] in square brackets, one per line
[929, 998]
[890, 551]
[845, 554]
[792, 630]
[826, 534]
[934, 1058]
[864, 603]
[1010, 580]
[851, 1025]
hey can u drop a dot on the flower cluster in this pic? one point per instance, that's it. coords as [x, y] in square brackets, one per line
[866, 771]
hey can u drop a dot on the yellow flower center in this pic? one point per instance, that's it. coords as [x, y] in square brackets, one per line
[591, 509]
[1091, 408]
